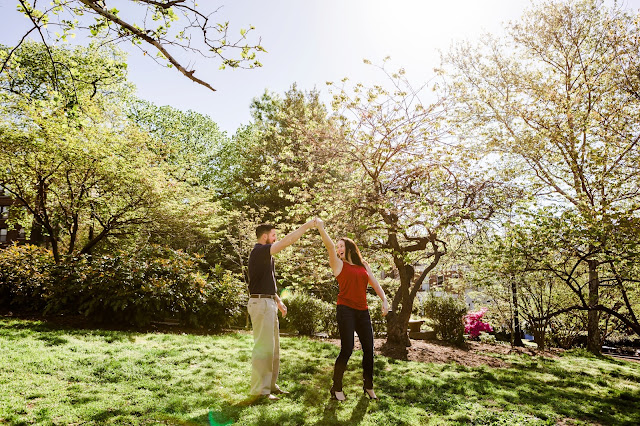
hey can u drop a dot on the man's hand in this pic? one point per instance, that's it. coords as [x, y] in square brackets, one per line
[319, 223]
[282, 308]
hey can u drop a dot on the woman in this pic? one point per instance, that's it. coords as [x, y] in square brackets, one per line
[353, 275]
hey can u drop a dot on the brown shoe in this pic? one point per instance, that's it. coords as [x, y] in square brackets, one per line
[256, 399]
[277, 391]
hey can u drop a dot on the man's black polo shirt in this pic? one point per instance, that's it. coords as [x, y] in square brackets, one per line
[262, 278]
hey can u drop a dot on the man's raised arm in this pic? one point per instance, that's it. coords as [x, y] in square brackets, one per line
[291, 238]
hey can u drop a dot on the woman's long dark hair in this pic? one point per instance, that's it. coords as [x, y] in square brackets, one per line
[351, 251]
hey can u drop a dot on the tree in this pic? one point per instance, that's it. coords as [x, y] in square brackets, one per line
[189, 215]
[275, 170]
[558, 97]
[409, 187]
[71, 159]
[147, 24]
[505, 272]
[187, 141]
[280, 157]
[556, 244]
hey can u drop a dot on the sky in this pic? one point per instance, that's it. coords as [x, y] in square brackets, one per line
[310, 42]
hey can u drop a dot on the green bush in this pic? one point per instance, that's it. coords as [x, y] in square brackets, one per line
[24, 277]
[447, 317]
[308, 315]
[154, 284]
[618, 338]
[226, 300]
[487, 338]
[150, 285]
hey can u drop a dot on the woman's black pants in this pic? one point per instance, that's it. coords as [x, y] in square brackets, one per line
[350, 320]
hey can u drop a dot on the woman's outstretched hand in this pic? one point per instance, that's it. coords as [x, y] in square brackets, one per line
[319, 223]
[385, 307]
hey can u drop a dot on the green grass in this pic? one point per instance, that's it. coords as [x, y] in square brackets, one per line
[51, 375]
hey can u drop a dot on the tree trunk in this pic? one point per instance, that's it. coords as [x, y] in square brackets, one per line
[397, 325]
[517, 332]
[539, 335]
[593, 329]
[398, 319]
[37, 236]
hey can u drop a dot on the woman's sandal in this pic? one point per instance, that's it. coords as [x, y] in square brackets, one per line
[366, 392]
[334, 397]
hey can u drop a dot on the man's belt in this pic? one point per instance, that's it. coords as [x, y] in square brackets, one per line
[263, 296]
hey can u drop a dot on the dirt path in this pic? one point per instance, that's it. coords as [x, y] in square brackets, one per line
[474, 355]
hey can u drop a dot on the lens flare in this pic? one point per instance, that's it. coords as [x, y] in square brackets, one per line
[285, 293]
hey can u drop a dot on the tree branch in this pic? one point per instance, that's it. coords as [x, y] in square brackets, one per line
[139, 33]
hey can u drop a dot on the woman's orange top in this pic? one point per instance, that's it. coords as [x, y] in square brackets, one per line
[353, 281]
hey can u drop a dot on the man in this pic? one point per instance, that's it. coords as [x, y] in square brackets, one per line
[263, 308]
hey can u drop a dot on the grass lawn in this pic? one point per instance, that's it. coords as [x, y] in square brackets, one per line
[54, 375]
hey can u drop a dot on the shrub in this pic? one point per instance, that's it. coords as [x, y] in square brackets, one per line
[329, 320]
[24, 276]
[618, 338]
[154, 284]
[307, 314]
[567, 330]
[226, 300]
[486, 337]
[446, 314]
[473, 324]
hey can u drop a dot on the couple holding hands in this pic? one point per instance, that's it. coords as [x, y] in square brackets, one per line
[353, 275]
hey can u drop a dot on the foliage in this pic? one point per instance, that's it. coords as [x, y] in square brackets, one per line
[308, 315]
[447, 317]
[568, 330]
[378, 322]
[187, 216]
[96, 172]
[486, 337]
[556, 101]
[225, 300]
[24, 277]
[77, 166]
[272, 171]
[165, 27]
[187, 141]
[154, 284]
[500, 269]
[473, 324]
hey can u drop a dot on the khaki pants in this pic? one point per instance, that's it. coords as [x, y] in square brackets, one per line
[266, 345]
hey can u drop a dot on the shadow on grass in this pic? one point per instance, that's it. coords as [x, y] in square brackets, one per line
[569, 397]
[37, 326]
[79, 324]
[536, 386]
[357, 415]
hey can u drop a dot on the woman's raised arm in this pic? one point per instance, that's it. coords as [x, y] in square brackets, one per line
[334, 261]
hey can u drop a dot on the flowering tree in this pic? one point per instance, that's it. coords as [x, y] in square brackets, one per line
[558, 99]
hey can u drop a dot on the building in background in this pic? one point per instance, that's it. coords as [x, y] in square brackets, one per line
[451, 282]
